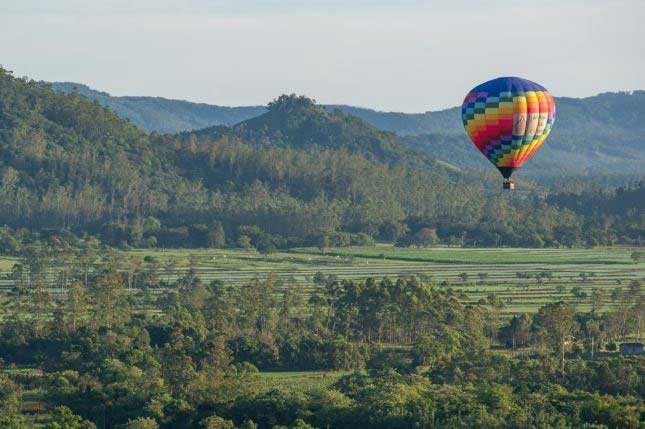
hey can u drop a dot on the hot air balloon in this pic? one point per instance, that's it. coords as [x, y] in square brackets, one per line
[508, 119]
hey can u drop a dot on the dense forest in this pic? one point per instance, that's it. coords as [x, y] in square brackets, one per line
[593, 135]
[297, 175]
[110, 352]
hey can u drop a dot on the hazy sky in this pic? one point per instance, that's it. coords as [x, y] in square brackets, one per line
[388, 55]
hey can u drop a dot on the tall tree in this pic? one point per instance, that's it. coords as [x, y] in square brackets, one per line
[557, 324]
[216, 236]
[110, 301]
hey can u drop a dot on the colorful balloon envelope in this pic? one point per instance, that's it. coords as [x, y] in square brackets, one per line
[508, 119]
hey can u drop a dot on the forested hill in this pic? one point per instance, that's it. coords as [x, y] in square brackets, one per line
[69, 163]
[297, 175]
[603, 134]
[296, 122]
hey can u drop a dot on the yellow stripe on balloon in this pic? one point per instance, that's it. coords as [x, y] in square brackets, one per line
[507, 159]
[535, 145]
[506, 108]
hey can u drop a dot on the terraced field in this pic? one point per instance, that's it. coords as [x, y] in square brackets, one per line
[297, 380]
[477, 272]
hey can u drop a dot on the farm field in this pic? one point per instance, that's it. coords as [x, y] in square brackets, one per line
[524, 279]
[296, 380]
[486, 270]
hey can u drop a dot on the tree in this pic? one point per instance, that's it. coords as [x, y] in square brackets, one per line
[556, 323]
[425, 237]
[592, 327]
[244, 241]
[635, 289]
[151, 224]
[249, 424]
[265, 244]
[442, 345]
[177, 367]
[482, 277]
[597, 298]
[76, 305]
[64, 418]
[216, 236]
[216, 422]
[577, 292]
[110, 302]
[40, 307]
[517, 332]
[297, 424]
[86, 258]
[638, 310]
[324, 242]
[142, 423]
[10, 403]
[13, 421]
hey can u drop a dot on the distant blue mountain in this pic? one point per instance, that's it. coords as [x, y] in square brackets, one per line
[600, 134]
[161, 114]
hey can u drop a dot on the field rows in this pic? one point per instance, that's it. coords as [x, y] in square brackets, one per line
[486, 270]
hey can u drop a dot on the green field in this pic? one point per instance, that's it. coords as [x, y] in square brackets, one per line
[297, 380]
[486, 270]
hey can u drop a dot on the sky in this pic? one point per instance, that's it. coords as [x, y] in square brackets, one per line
[410, 56]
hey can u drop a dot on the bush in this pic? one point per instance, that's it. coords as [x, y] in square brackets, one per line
[249, 348]
[422, 237]
[64, 418]
[216, 422]
[362, 239]
[316, 353]
[142, 423]
[383, 360]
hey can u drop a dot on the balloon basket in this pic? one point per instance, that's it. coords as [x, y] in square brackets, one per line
[509, 184]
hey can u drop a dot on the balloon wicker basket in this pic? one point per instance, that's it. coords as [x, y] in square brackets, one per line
[509, 184]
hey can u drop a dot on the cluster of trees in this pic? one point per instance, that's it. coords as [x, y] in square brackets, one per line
[297, 175]
[108, 351]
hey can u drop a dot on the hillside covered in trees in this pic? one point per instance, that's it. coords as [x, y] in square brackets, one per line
[594, 135]
[296, 175]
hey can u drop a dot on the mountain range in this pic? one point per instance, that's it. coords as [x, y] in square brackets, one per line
[603, 134]
[287, 176]
[298, 174]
